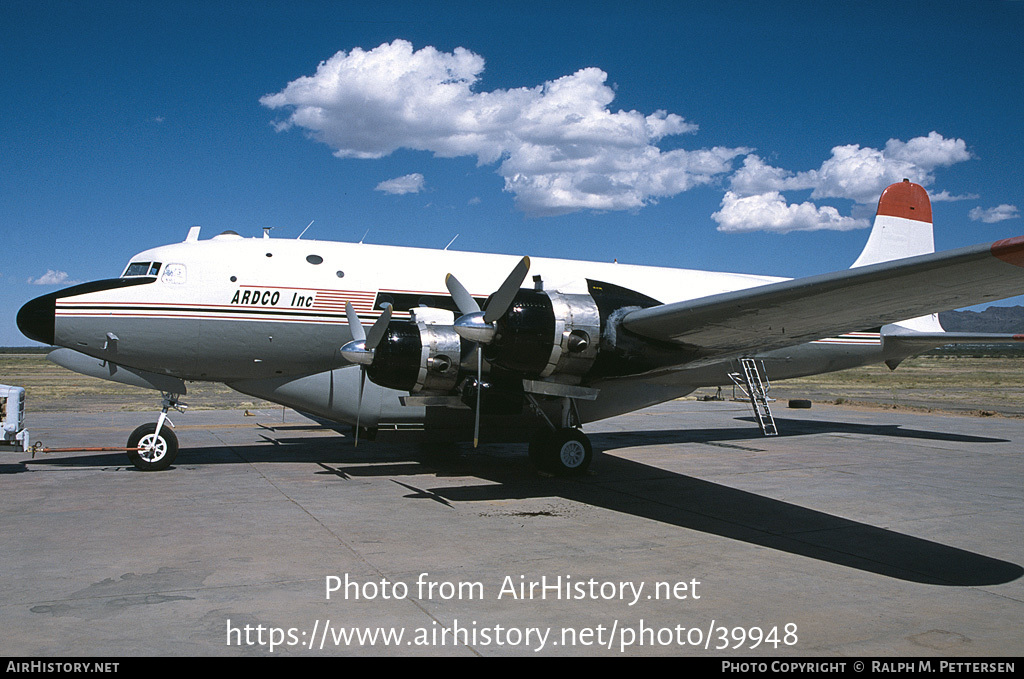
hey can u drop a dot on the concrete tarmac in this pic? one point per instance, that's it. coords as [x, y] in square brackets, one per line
[853, 533]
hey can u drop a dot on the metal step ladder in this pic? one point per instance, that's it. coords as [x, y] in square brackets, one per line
[754, 385]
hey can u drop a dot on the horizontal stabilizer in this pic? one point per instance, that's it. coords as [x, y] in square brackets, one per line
[922, 341]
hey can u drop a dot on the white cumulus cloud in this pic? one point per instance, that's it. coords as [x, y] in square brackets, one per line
[770, 212]
[559, 146]
[410, 183]
[947, 197]
[852, 172]
[994, 214]
[52, 277]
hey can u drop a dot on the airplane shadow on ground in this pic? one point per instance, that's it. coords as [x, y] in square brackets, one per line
[634, 488]
[786, 428]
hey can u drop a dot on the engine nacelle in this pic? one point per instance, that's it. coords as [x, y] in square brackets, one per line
[547, 333]
[422, 354]
[543, 335]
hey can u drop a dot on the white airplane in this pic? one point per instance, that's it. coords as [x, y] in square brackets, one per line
[282, 320]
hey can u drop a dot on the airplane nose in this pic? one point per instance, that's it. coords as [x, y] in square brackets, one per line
[36, 318]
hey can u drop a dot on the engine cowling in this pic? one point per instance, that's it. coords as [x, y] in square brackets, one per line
[546, 333]
[541, 335]
[422, 354]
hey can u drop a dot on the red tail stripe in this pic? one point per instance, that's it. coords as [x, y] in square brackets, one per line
[907, 200]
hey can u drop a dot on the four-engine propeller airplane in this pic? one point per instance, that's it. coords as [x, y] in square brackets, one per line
[457, 344]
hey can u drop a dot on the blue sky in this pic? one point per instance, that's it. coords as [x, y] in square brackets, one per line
[736, 136]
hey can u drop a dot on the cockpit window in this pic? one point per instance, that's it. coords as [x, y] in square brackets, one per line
[137, 269]
[174, 273]
[141, 269]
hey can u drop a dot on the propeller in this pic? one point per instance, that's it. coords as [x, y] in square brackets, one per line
[361, 349]
[478, 326]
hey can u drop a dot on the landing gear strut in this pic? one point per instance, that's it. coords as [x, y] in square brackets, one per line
[152, 447]
[565, 450]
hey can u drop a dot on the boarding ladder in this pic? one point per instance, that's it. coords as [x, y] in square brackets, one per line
[754, 385]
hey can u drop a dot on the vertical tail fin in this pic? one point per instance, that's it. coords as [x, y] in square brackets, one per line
[903, 225]
[903, 228]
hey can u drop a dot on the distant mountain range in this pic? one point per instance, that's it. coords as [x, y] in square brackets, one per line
[993, 319]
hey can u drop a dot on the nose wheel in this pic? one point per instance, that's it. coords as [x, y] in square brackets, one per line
[152, 447]
[156, 451]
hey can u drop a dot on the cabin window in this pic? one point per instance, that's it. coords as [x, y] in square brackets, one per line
[315, 259]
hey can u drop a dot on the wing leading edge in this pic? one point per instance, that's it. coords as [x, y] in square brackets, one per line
[791, 312]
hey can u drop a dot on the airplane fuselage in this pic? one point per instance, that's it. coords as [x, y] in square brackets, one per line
[234, 308]
[267, 317]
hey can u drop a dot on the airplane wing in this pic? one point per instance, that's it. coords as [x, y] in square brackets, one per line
[802, 310]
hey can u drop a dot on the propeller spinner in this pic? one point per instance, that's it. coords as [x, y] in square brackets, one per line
[476, 325]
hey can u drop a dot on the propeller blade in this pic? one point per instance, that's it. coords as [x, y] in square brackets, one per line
[359, 402]
[355, 326]
[501, 300]
[479, 375]
[379, 329]
[478, 326]
[461, 296]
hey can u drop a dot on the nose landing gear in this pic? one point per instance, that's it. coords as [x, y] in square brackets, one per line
[152, 447]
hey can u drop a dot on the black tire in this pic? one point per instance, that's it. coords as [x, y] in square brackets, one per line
[364, 433]
[566, 452]
[538, 446]
[799, 403]
[155, 458]
[440, 453]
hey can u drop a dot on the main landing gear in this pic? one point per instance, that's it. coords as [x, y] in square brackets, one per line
[564, 450]
[152, 447]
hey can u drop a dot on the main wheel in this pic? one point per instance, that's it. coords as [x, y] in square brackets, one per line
[566, 452]
[155, 452]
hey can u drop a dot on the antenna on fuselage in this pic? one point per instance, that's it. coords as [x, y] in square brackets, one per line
[364, 236]
[266, 231]
[450, 242]
[306, 229]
